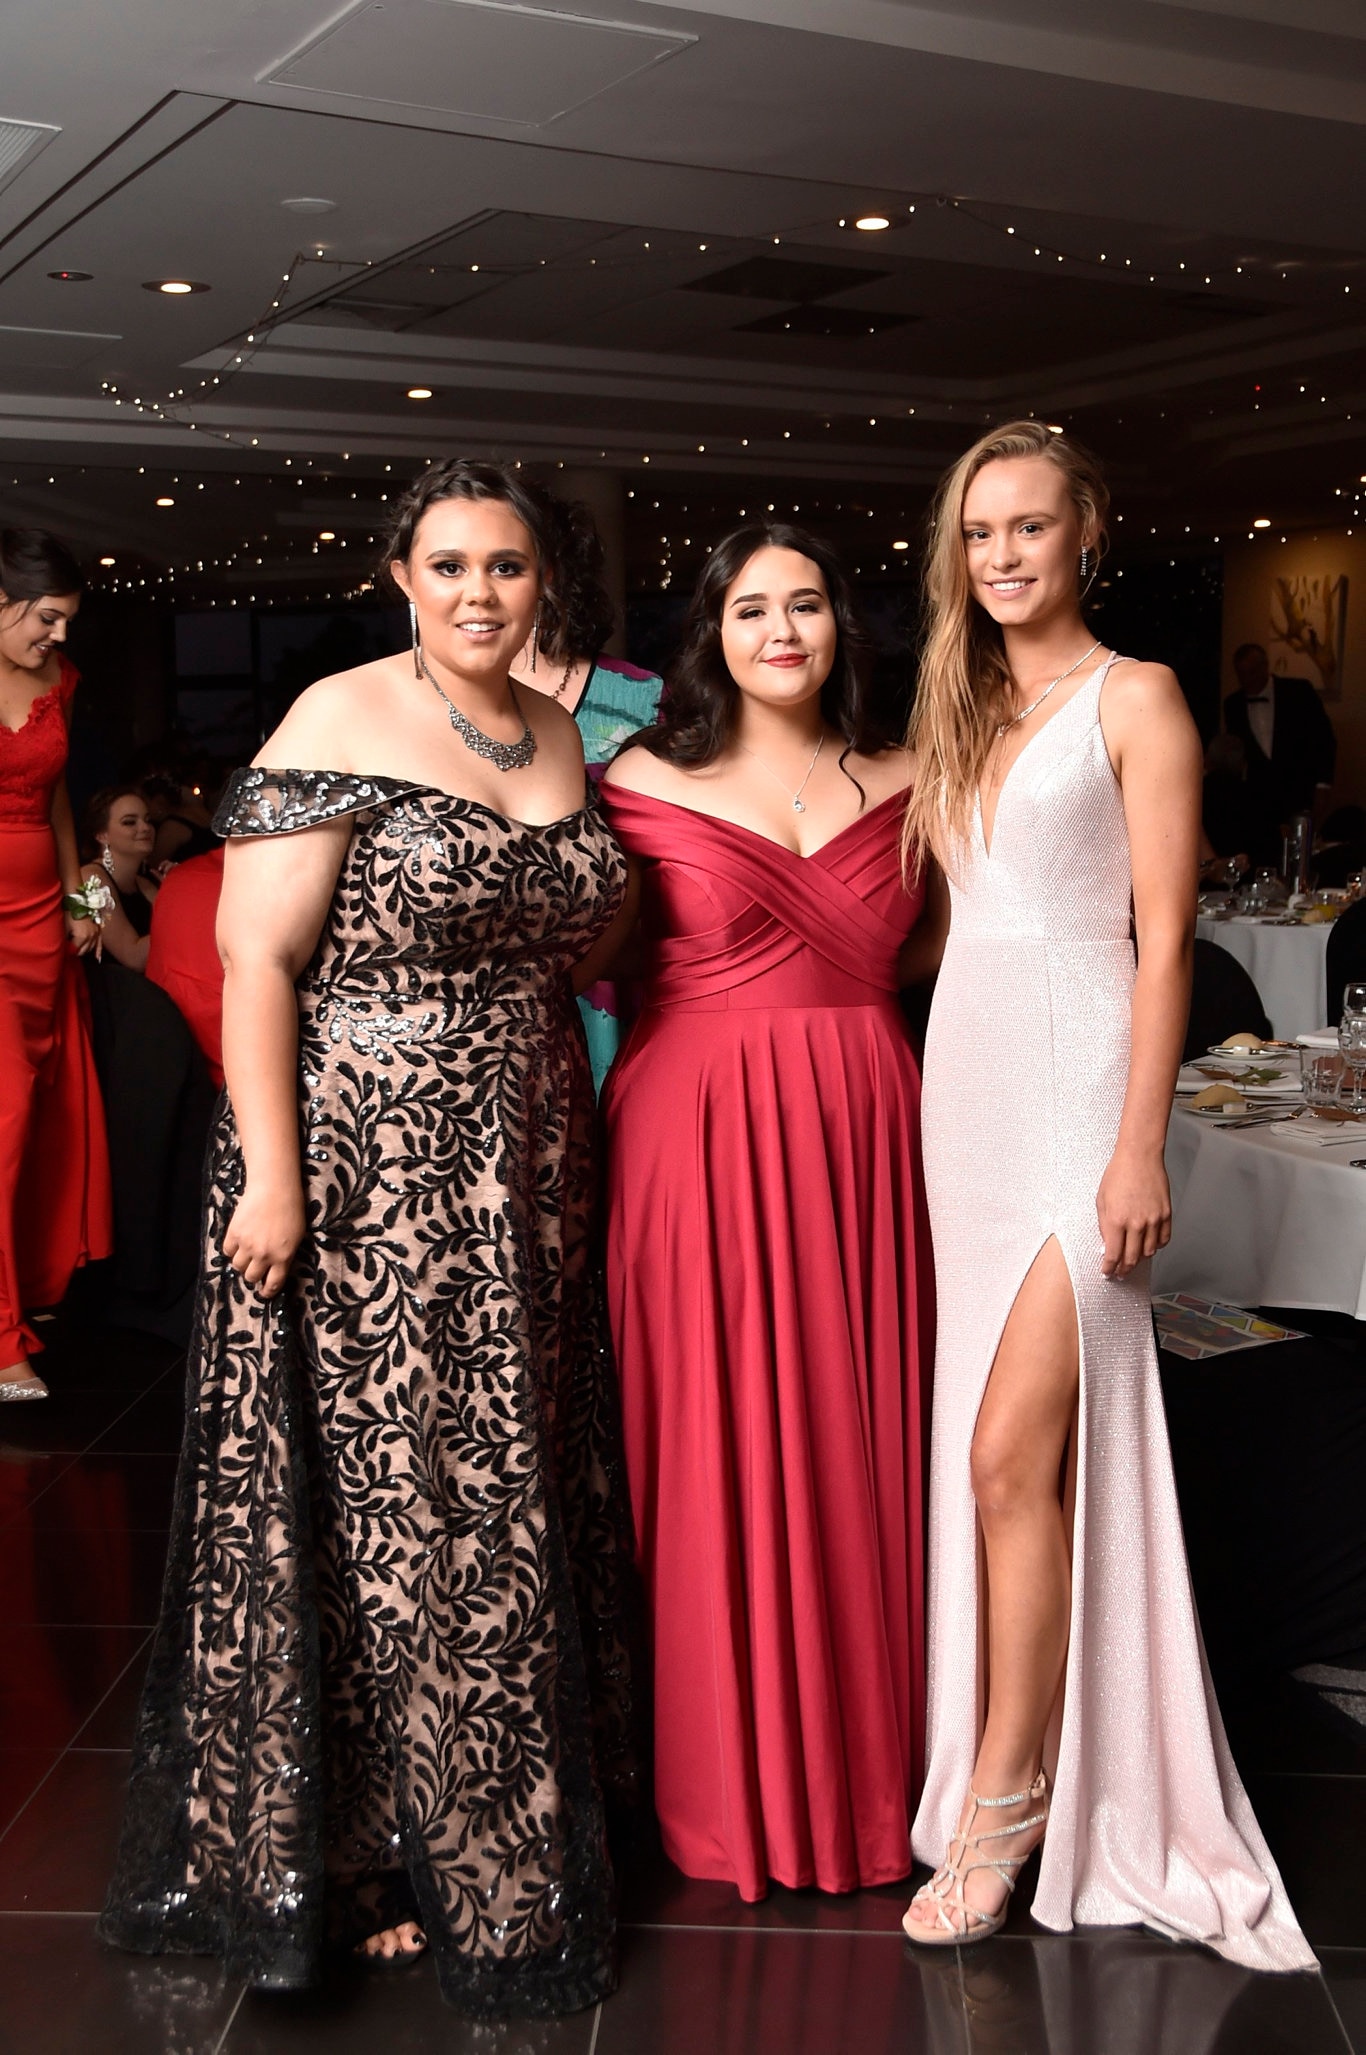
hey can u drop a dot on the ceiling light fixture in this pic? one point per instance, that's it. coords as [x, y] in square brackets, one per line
[901, 545]
[419, 392]
[1261, 522]
[871, 222]
[1053, 427]
[72, 277]
[327, 535]
[108, 562]
[165, 501]
[175, 287]
[309, 203]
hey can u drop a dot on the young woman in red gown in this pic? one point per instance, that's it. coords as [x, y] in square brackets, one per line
[54, 1170]
[769, 1270]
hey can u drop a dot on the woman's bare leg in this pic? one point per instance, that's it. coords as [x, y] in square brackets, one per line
[1017, 1455]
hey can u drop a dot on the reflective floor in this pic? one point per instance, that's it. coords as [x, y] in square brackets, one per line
[85, 1491]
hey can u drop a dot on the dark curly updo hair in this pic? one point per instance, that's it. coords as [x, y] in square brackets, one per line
[544, 518]
[697, 713]
[579, 615]
[35, 565]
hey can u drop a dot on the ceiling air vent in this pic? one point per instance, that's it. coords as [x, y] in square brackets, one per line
[20, 142]
[486, 60]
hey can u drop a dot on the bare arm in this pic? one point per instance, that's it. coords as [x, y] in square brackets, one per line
[1156, 752]
[83, 935]
[118, 934]
[276, 893]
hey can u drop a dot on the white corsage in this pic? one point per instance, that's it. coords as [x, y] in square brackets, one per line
[92, 902]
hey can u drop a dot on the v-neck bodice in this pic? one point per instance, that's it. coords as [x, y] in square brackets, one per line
[1058, 862]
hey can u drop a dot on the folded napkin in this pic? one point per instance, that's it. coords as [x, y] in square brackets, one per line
[1318, 1038]
[1322, 1134]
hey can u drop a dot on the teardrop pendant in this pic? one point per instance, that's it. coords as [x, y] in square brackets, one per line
[799, 806]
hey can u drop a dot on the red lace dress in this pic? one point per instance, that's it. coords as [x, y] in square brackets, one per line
[54, 1166]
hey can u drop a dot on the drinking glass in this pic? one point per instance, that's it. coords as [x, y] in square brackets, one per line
[1321, 1074]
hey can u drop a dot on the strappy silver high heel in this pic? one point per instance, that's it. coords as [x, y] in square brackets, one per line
[945, 1888]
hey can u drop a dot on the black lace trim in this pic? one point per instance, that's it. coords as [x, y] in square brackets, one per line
[264, 802]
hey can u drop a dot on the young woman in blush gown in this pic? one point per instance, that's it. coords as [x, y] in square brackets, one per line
[768, 1267]
[1069, 1700]
[387, 1697]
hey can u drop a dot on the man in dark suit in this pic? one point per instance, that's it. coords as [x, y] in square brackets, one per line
[1288, 741]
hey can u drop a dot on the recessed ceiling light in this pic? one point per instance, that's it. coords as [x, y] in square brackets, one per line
[872, 221]
[1053, 427]
[107, 562]
[165, 501]
[419, 392]
[309, 203]
[327, 535]
[72, 277]
[177, 287]
[901, 545]
[1261, 522]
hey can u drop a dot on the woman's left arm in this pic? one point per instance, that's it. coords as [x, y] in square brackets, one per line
[1155, 750]
[82, 934]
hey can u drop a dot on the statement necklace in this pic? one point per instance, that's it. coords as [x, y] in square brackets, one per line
[504, 756]
[798, 803]
[1026, 711]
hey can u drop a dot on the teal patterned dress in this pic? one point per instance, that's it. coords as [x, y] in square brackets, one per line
[618, 700]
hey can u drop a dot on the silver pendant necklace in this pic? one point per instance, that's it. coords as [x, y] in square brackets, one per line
[798, 803]
[504, 756]
[1026, 711]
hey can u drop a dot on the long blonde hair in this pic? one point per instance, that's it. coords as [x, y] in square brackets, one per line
[964, 689]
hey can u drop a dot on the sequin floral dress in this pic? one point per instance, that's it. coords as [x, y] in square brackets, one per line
[389, 1680]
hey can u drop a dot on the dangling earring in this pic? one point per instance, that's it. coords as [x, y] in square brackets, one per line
[107, 858]
[535, 636]
[1085, 565]
[417, 639]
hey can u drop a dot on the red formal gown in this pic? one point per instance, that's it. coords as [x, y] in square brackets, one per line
[771, 1300]
[54, 1166]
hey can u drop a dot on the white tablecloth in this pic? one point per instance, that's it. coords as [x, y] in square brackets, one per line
[1287, 965]
[1263, 1219]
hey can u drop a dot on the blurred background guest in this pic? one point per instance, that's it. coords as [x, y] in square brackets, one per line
[119, 832]
[158, 1094]
[54, 1173]
[181, 799]
[609, 699]
[1340, 850]
[183, 958]
[1287, 739]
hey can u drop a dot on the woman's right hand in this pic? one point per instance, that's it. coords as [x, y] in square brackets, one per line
[266, 1228]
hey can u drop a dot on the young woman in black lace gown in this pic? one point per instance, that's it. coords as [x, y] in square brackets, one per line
[389, 1689]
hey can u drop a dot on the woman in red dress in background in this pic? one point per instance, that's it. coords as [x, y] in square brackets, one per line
[769, 1269]
[54, 1169]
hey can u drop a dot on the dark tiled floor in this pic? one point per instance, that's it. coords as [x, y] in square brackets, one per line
[85, 1488]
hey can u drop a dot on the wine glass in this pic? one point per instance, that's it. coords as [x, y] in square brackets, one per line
[1352, 1042]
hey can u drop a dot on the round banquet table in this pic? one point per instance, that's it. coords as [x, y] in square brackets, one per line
[1262, 1217]
[1287, 965]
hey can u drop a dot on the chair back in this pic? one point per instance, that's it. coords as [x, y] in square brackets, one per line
[1346, 959]
[1224, 1001]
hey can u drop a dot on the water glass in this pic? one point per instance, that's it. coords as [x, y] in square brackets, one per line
[1321, 1075]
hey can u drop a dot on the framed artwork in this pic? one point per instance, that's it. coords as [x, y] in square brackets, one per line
[1308, 627]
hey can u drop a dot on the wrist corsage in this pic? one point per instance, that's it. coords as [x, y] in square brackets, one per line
[92, 902]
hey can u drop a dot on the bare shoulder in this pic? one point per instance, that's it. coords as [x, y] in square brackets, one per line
[327, 720]
[549, 722]
[1133, 690]
[640, 770]
[1144, 716]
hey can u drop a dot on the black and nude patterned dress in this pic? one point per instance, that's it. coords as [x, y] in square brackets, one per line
[390, 1679]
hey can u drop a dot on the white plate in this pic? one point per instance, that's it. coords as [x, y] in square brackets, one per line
[1278, 1052]
[1194, 1077]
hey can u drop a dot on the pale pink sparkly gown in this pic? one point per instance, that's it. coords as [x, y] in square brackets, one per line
[1025, 1071]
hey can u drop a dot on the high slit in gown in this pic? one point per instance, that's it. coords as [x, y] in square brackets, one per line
[389, 1680]
[770, 1290]
[1150, 1822]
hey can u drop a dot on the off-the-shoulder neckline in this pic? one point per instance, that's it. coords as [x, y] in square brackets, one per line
[718, 820]
[510, 820]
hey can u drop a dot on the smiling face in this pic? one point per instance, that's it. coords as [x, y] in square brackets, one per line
[31, 630]
[128, 830]
[778, 632]
[1022, 541]
[473, 576]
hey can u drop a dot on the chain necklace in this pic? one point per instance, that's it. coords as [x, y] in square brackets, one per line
[504, 756]
[798, 803]
[558, 693]
[1026, 711]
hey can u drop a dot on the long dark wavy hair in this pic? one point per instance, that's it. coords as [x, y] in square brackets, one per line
[697, 714]
[35, 565]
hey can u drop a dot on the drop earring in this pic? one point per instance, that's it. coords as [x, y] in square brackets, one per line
[107, 858]
[417, 639]
[535, 636]
[1085, 565]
